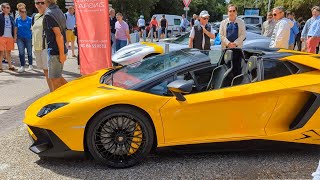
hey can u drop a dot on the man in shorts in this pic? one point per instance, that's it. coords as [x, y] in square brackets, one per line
[6, 35]
[71, 22]
[54, 25]
[41, 55]
[142, 25]
[164, 25]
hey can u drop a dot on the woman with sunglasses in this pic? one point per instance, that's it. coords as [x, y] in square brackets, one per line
[23, 37]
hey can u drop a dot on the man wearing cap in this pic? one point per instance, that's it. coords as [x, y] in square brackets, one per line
[141, 24]
[201, 34]
[232, 30]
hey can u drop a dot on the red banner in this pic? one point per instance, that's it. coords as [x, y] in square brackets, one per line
[93, 25]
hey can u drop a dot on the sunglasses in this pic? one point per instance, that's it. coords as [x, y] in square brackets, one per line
[37, 3]
[205, 18]
[232, 11]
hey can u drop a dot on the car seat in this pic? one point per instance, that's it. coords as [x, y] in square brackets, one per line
[252, 73]
[220, 73]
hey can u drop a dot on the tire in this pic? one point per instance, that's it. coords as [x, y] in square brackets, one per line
[120, 137]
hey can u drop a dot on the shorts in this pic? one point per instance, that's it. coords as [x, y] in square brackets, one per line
[6, 44]
[70, 36]
[163, 30]
[41, 57]
[154, 28]
[142, 28]
[54, 66]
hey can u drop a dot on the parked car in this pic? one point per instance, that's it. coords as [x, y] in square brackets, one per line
[174, 22]
[186, 97]
[252, 20]
[137, 51]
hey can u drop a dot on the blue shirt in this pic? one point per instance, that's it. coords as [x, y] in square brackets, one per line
[293, 32]
[24, 27]
[315, 28]
[70, 20]
[232, 31]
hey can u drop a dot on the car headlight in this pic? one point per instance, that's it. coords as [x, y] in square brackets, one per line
[49, 108]
[130, 53]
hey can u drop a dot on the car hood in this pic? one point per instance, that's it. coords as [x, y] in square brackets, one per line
[137, 51]
[88, 86]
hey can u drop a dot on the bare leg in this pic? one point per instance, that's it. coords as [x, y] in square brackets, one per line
[72, 48]
[45, 71]
[57, 82]
[8, 53]
[63, 81]
[1, 57]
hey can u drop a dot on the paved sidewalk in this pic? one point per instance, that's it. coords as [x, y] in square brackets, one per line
[17, 88]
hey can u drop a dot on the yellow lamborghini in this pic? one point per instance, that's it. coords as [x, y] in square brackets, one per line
[185, 97]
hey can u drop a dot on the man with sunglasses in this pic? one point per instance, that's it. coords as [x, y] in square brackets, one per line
[232, 29]
[268, 25]
[281, 33]
[201, 34]
[314, 33]
[6, 35]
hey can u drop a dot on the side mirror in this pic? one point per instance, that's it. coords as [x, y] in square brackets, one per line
[180, 86]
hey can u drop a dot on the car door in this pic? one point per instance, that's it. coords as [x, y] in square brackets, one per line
[218, 115]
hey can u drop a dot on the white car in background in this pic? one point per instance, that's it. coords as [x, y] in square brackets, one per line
[138, 51]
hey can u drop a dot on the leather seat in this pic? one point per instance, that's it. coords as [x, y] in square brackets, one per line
[252, 73]
[220, 73]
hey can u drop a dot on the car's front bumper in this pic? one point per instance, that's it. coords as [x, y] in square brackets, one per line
[46, 143]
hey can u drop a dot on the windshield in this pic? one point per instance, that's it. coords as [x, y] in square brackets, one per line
[251, 20]
[133, 74]
[184, 39]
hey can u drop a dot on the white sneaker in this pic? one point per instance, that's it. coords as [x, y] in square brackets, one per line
[21, 69]
[30, 68]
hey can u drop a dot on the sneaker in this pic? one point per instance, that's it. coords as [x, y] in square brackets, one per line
[21, 69]
[30, 68]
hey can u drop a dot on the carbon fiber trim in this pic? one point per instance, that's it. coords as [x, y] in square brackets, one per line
[306, 112]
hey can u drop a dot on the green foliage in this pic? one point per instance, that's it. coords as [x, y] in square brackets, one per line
[301, 8]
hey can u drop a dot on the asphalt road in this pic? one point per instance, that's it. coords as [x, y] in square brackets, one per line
[17, 162]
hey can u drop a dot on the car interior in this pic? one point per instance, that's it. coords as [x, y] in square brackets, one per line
[235, 67]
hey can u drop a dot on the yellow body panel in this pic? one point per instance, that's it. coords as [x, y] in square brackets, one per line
[157, 48]
[69, 122]
[261, 110]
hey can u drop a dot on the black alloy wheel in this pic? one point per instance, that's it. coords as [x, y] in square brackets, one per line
[120, 137]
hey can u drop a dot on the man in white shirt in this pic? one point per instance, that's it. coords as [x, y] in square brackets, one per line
[141, 24]
[201, 34]
[281, 33]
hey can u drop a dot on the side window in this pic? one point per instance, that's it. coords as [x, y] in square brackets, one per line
[201, 78]
[203, 75]
[161, 88]
[274, 69]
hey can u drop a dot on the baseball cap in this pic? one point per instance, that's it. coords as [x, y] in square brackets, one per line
[141, 16]
[204, 14]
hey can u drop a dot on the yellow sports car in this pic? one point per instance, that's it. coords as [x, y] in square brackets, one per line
[186, 97]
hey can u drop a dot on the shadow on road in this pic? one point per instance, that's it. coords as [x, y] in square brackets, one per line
[181, 165]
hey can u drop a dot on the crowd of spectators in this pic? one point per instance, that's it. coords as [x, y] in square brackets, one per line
[46, 35]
